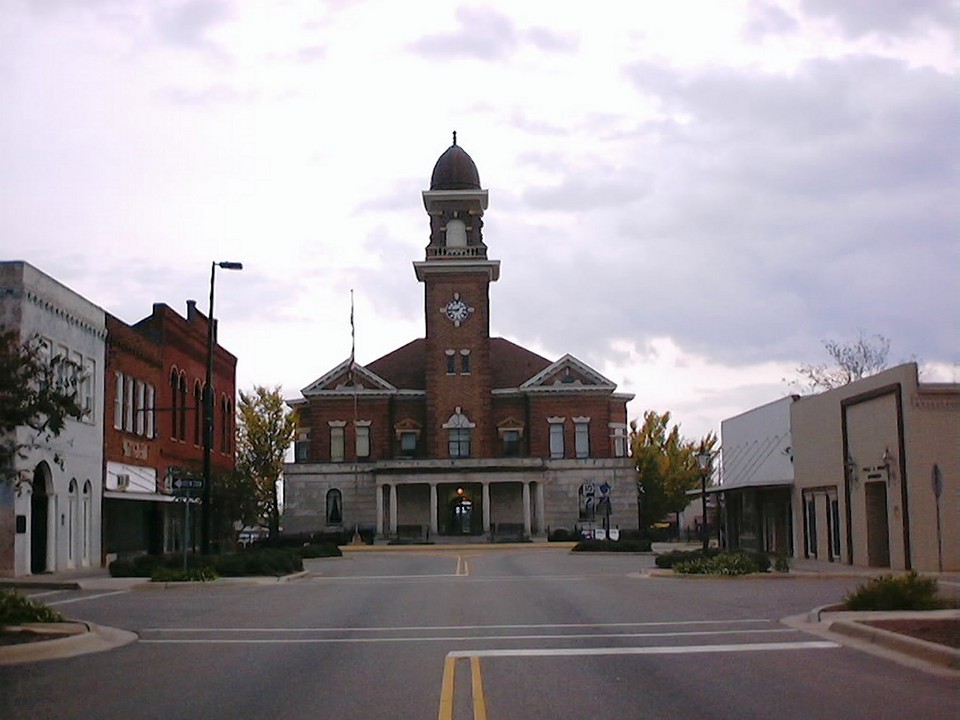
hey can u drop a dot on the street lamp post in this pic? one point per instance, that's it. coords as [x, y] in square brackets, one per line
[703, 462]
[205, 509]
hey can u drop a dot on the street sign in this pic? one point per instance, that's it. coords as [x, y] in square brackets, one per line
[182, 483]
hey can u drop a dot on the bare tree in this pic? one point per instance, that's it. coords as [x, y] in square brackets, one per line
[850, 361]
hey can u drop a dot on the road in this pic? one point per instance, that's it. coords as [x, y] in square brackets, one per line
[498, 634]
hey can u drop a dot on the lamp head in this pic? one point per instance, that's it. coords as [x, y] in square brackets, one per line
[228, 265]
[703, 459]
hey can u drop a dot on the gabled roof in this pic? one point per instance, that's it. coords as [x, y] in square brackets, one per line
[511, 364]
[337, 382]
[568, 374]
[405, 367]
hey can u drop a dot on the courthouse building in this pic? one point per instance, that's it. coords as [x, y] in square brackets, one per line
[458, 433]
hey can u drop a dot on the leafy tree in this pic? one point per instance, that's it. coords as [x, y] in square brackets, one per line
[37, 392]
[266, 428]
[850, 361]
[666, 466]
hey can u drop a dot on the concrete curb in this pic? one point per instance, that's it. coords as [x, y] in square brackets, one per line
[849, 628]
[482, 547]
[920, 649]
[76, 638]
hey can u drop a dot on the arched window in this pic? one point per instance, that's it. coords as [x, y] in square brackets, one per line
[197, 412]
[459, 429]
[231, 427]
[587, 497]
[334, 507]
[86, 521]
[174, 410]
[183, 406]
[456, 233]
[71, 522]
[224, 423]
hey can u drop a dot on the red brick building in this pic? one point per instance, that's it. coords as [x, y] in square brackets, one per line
[153, 421]
[459, 433]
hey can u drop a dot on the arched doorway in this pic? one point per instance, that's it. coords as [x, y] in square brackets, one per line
[461, 516]
[39, 511]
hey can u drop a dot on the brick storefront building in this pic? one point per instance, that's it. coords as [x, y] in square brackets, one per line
[459, 433]
[155, 373]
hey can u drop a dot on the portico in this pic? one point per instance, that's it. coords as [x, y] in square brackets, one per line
[458, 504]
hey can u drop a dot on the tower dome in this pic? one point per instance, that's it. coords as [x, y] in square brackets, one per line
[455, 170]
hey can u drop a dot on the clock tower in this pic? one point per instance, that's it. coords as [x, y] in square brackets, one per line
[456, 274]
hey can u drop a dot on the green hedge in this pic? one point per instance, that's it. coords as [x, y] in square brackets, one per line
[673, 558]
[736, 563]
[612, 546]
[253, 561]
[197, 574]
[17, 610]
[319, 550]
[895, 592]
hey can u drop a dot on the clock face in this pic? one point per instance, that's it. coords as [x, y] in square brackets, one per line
[457, 310]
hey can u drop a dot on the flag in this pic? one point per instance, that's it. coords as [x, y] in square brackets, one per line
[353, 340]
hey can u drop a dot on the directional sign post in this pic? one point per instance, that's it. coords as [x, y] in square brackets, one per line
[186, 484]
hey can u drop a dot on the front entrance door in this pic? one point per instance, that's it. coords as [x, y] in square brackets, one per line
[38, 530]
[461, 516]
[878, 528]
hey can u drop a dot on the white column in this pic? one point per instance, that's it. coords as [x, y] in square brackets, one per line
[380, 510]
[53, 518]
[393, 508]
[526, 508]
[486, 507]
[541, 523]
[433, 509]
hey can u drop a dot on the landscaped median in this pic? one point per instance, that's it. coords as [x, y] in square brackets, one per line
[30, 631]
[715, 562]
[254, 562]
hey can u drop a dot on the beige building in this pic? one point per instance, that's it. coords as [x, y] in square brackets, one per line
[877, 473]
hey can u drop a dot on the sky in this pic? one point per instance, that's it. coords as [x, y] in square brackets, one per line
[690, 197]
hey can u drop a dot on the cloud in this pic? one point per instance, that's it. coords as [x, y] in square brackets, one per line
[483, 34]
[765, 19]
[887, 17]
[765, 214]
[487, 34]
[188, 24]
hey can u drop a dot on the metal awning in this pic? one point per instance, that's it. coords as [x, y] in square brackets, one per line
[139, 496]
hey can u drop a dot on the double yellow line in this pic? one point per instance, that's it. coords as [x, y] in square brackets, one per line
[449, 683]
[462, 568]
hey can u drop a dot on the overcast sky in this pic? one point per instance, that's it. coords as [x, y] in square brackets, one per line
[688, 196]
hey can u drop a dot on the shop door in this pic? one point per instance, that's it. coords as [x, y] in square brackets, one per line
[878, 528]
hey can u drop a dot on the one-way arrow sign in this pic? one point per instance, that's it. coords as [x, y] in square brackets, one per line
[188, 484]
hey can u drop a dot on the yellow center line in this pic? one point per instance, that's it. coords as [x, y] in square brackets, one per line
[466, 568]
[479, 704]
[446, 688]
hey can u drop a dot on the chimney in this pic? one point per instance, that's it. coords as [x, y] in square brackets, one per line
[191, 309]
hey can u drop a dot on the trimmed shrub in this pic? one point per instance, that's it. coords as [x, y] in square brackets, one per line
[562, 535]
[139, 566]
[17, 610]
[612, 546]
[668, 559]
[258, 561]
[895, 592]
[737, 563]
[319, 550]
[191, 574]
